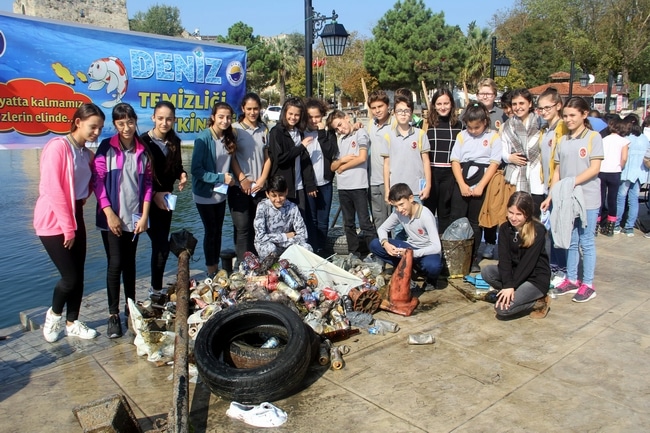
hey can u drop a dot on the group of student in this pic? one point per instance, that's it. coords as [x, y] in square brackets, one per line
[392, 177]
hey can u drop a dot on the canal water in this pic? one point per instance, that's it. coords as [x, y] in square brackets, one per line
[27, 276]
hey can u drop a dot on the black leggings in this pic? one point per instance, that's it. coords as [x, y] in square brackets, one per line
[212, 216]
[609, 183]
[160, 222]
[70, 263]
[120, 252]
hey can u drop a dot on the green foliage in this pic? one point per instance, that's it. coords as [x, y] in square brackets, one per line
[159, 19]
[640, 67]
[261, 63]
[412, 44]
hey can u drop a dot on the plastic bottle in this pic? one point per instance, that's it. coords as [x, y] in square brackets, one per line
[271, 343]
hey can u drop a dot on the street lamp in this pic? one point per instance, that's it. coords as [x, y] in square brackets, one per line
[610, 84]
[334, 37]
[499, 63]
[584, 78]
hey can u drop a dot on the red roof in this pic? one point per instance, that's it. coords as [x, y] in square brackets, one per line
[578, 90]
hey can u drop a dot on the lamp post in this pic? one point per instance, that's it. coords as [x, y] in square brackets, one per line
[499, 63]
[584, 78]
[334, 38]
[610, 84]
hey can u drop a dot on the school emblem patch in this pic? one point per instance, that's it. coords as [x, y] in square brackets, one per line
[414, 145]
[485, 143]
[497, 124]
[354, 144]
[582, 152]
[421, 231]
[550, 142]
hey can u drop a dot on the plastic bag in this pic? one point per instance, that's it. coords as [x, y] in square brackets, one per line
[181, 241]
[458, 230]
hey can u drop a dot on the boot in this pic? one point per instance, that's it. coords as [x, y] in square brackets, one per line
[541, 308]
[609, 228]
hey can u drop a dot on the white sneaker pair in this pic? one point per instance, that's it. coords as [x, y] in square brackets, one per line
[264, 415]
[54, 325]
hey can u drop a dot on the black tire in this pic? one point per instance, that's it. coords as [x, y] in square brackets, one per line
[269, 382]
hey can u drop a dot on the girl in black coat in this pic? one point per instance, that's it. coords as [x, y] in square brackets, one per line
[523, 274]
[165, 150]
[289, 156]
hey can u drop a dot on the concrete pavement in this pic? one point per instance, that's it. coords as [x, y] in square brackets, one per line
[583, 368]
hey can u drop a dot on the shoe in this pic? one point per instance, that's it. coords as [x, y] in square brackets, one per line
[608, 228]
[52, 327]
[264, 415]
[475, 267]
[617, 230]
[541, 308]
[566, 286]
[647, 235]
[488, 251]
[114, 326]
[629, 232]
[162, 291]
[585, 293]
[79, 329]
[557, 279]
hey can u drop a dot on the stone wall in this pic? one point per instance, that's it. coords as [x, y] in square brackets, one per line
[102, 13]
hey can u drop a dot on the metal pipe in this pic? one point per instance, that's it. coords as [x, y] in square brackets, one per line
[610, 81]
[179, 416]
[573, 66]
[309, 32]
[493, 56]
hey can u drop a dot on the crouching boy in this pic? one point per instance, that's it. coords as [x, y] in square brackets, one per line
[278, 223]
[422, 234]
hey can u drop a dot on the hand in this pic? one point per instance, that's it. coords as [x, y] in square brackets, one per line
[182, 182]
[159, 200]
[141, 225]
[259, 184]
[228, 179]
[545, 204]
[357, 126]
[114, 224]
[424, 194]
[307, 141]
[477, 191]
[246, 186]
[68, 244]
[321, 124]
[505, 298]
[393, 250]
[518, 159]
[290, 235]
[386, 198]
[465, 190]
[312, 194]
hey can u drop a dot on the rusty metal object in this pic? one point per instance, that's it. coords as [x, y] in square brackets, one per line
[110, 414]
[366, 301]
[179, 415]
[335, 358]
[400, 301]
[324, 352]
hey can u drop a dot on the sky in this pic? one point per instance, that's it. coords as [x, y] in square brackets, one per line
[269, 18]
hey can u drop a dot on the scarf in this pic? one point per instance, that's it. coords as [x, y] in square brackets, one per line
[522, 138]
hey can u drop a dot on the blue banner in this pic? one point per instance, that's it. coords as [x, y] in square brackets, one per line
[49, 68]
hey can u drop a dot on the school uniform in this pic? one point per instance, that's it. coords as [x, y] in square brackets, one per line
[405, 156]
[380, 209]
[352, 185]
[474, 154]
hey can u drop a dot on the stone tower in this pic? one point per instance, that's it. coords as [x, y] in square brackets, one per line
[102, 13]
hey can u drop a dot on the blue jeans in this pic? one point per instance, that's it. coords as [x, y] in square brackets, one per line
[318, 213]
[431, 264]
[630, 191]
[583, 238]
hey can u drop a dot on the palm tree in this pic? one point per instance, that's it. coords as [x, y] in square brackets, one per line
[287, 56]
[478, 60]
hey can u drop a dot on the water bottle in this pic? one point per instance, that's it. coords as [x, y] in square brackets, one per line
[271, 343]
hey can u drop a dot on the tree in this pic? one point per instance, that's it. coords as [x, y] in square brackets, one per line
[260, 63]
[159, 19]
[345, 72]
[287, 56]
[412, 44]
[477, 63]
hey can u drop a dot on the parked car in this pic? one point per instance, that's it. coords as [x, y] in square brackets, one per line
[272, 113]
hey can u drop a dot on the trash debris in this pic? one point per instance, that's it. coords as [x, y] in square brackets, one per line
[421, 339]
[263, 415]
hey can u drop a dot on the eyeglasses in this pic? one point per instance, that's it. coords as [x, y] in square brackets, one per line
[121, 125]
[547, 108]
[403, 112]
[485, 95]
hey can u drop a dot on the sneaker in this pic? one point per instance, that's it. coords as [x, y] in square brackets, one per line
[79, 329]
[585, 293]
[52, 327]
[162, 291]
[566, 286]
[617, 230]
[114, 326]
[629, 232]
[475, 268]
[263, 415]
[647, 235]
[488, 251]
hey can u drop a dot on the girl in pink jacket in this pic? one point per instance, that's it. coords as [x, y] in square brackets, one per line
[64, 186]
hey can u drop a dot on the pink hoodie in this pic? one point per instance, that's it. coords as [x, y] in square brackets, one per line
[54, 213]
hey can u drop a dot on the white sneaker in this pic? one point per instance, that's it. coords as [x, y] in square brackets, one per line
[264, 415]
[52, 327]
[488, 251]
[79, 329]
